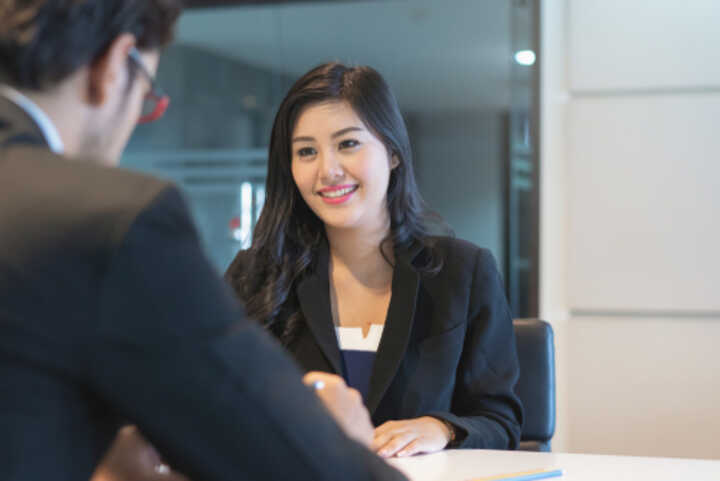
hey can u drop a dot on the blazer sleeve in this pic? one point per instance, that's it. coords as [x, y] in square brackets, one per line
[485, 408]
[174, 354]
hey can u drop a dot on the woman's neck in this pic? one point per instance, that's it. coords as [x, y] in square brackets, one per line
[356, 252]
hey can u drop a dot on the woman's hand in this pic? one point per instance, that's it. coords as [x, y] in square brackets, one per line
[344, 403]
[410, 436]
[132, 458]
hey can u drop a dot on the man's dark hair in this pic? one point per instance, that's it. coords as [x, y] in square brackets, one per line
[42, 42]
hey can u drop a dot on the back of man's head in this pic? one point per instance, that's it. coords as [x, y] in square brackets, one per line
[42, 42]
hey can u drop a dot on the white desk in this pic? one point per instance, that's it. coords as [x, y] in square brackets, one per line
[464, 465]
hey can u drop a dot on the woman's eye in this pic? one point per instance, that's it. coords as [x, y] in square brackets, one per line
[349, 144]
[306, 151]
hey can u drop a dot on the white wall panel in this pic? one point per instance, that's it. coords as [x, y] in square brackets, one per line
[644, 44]
[630, 219]
[644, 230]
[644, 387]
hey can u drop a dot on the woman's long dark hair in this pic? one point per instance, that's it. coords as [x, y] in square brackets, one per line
[288, 233]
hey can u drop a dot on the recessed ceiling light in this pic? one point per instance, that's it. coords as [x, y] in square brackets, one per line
[525, 57]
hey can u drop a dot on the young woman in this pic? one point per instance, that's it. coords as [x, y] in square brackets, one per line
[342, 270]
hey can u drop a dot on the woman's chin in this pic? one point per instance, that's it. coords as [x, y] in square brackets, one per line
[341, 224]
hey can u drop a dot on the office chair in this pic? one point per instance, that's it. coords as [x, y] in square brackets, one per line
[536, 387]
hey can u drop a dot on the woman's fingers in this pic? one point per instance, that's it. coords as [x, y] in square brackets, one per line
[386, 426]
[415, 447]
[381, 440]
[396, 443]
[410, 436]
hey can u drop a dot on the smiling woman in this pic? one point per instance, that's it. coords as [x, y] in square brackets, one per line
[313, 152]
[341, 174]
[466, 102]
[343, 270]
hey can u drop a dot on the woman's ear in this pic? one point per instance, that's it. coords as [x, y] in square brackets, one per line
[394, 161]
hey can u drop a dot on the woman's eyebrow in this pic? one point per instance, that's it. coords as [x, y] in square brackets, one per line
[307, 138]
[346, 130]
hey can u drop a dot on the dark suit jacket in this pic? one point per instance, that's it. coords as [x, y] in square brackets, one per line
[448, 349]
[109, 310]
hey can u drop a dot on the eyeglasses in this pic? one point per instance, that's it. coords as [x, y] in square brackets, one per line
[156, 101]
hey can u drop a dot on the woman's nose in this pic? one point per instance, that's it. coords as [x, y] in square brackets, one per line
[331, 168]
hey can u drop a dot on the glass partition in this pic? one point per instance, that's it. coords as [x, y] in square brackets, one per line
[468, 100]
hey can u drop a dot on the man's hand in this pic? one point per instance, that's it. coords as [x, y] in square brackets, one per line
[344, 403]
[132, 458]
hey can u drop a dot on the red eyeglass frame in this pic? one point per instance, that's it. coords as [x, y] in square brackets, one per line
[156, 94]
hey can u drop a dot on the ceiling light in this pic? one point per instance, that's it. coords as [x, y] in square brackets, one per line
[525, 57]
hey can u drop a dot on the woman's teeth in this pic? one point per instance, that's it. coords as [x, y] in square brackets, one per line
[338, 193]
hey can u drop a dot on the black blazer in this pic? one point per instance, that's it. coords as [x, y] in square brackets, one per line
[109, 310]
[448, 348]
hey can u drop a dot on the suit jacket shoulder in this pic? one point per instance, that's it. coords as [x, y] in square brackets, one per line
[72, 193]
[462, 264]
[460, 251]
[62, 223]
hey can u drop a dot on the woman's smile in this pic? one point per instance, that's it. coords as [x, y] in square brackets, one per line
[337, 194]
[340, 167]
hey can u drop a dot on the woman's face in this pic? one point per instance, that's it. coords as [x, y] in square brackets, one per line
[340, 168]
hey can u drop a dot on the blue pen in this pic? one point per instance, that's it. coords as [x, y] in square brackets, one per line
[524, 475]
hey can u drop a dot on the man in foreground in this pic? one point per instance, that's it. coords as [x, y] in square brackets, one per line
[109, 311]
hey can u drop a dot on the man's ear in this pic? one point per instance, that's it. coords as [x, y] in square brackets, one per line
[108, 69]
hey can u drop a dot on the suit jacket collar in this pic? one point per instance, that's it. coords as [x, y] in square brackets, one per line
[398, 326]
[314, 296]
[17, 127]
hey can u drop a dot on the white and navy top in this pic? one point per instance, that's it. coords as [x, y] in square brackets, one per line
[358, 355]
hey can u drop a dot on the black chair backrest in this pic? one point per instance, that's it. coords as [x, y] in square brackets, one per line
[536, 387]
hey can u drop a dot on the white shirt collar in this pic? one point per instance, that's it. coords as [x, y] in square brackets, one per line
[41, 119]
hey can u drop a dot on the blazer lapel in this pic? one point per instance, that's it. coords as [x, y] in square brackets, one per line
[398, 325]
[314, 296]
